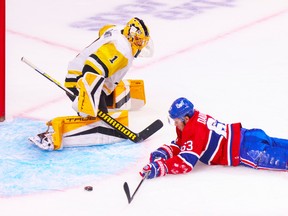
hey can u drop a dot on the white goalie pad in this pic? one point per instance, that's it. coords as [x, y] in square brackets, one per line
[129, 95]
[91, 131]
[75, 131]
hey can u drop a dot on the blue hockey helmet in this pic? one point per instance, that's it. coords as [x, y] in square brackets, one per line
[180, 108]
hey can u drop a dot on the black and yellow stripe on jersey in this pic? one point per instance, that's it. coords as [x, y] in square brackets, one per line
[71, 81]
[106, 61]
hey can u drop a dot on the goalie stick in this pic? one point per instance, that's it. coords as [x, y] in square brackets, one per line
[120, 128]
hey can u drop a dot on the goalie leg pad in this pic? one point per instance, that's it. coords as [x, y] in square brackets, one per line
[129, 95]
[73, 131]
[90, 88]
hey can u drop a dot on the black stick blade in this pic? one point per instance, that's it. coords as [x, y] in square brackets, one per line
[127, 191]
[150, 130]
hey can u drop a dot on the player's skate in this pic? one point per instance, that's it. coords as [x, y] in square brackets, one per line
[43, 141]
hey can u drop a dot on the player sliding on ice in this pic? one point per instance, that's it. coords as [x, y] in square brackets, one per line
[95, 77]
[201, 137]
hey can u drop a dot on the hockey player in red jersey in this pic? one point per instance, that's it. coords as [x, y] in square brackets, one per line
[201, 137]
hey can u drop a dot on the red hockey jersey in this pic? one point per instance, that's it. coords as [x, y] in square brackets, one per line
[206, 139]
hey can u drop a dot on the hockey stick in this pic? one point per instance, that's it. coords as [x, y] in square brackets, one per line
[127, 190]
[48, 77]
[120, 128]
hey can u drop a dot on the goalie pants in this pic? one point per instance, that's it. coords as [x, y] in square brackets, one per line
[260, 151]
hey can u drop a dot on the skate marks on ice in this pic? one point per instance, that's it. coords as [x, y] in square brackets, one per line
[26, 169]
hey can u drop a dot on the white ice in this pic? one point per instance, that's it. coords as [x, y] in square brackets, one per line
[230, 61]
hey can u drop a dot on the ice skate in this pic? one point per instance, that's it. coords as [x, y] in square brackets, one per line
[43, 141]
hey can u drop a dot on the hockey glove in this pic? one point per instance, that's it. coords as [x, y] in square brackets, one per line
[163, 152]
[154, 169]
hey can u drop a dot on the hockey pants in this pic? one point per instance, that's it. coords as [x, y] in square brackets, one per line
[259, 151]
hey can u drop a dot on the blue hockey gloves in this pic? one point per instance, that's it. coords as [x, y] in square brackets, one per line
[158, 154]
[154, 169]
[161, 153]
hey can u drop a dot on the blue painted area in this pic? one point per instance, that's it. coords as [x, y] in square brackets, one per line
[25, 169]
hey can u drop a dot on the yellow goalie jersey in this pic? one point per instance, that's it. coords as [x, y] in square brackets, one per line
[110, 56]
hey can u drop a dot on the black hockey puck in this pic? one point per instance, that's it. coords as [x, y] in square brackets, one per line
[88, 188]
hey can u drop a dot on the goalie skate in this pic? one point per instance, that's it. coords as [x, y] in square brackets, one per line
[43, 141]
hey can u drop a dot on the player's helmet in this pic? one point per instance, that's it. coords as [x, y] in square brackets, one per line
[137, 34]
[180, 108]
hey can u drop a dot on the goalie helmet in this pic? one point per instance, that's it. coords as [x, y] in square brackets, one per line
[180, 108]
[104, 29]
[137, 34]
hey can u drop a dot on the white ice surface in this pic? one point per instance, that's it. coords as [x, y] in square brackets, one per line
[230, 61]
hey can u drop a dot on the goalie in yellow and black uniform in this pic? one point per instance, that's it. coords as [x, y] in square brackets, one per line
[98, 69]
[95, 76]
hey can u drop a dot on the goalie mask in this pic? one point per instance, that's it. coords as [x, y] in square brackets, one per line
[138, 35]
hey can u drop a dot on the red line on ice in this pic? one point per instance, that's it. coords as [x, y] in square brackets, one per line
[42, 40]
[215, 38]
[163, 58]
